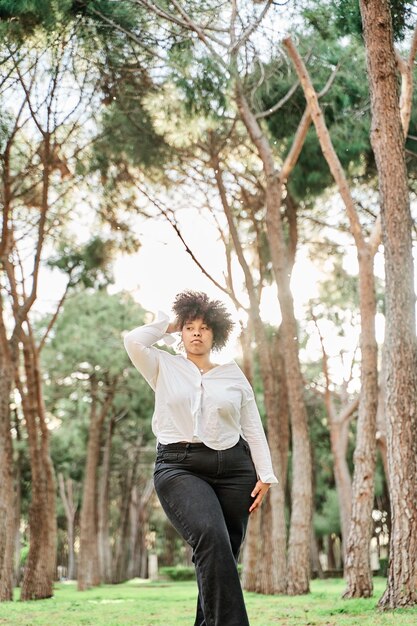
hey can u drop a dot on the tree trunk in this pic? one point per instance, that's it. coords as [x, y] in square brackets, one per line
[339, 434]
[252, 551]
[247, 352]
[381, 423]
[315, 559]
[121, 564]
[17, 508]
[358, 571]
[339, 439]
[298, 575]
[139, 526]
[400, 338]
[7, 510]
[67, 496]
[272, 570]
[120, 557]
[275, 575]
[104, 547]
[40, 567]
[88, 559]
[359, 576]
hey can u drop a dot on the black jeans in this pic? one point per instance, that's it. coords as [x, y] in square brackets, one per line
[206, 496]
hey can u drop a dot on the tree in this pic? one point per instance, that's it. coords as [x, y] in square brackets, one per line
[43, 142]
[87, 348]
[387, 140]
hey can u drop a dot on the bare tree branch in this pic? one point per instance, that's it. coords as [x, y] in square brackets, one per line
[280, 103]
[251, 28]
[172, 221]
[326, 143]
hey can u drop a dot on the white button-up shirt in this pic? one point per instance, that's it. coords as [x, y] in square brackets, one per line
[215, 408]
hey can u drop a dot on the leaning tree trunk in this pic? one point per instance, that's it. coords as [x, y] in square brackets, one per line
[359, 578]
[274, 574]
[88, 560]
[298, 574]
[339, 440]
[7, 510]
[400, 332]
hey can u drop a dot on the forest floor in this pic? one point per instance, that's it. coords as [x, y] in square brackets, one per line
[144, 603]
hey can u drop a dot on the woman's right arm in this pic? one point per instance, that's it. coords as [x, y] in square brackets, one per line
[139, 341]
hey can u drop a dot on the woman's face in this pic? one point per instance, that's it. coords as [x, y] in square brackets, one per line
[197, 337]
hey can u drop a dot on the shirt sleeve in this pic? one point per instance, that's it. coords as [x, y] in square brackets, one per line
[139, 346]
[253, 432]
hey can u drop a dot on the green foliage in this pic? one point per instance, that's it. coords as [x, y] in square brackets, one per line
[87, 336]
[28, 14]
[88, 265]
[348, 16]
[127, 137]
[204, 87]
[87, 345]
[68, 444]
[23, 17]
[327, 520]
[178, 573]
[24, 551]
[345, 107]
[383, 567]
[122, 13]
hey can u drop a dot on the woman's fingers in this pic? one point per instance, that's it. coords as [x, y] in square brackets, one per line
[258, 493]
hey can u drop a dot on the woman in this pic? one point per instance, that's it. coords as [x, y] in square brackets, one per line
[213, 465]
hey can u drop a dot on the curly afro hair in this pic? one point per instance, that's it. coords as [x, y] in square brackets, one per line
[191, 305]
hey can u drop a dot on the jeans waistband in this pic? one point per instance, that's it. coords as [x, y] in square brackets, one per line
[181, 445]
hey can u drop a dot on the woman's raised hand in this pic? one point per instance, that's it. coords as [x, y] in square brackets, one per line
[174, 327]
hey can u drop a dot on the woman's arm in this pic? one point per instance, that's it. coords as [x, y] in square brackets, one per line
[139, 341]
[253, 432]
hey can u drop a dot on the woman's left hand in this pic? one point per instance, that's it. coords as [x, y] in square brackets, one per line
[259, 492]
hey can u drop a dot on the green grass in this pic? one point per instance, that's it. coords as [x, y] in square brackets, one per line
[142, 603]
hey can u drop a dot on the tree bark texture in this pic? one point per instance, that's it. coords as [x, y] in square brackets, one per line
[252, 551]
[358, 571]
[104, 548]
[400, 337]
[17, 507]
[298, 575]
[40, 567]
[139, 527]
[357, 567]
[7, 510]
[339, 435]
[70, 506]
[88, 559]
[381, 425]
[339, 439]
[277, 416]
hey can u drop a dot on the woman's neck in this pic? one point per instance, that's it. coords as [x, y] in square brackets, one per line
[202, 362]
